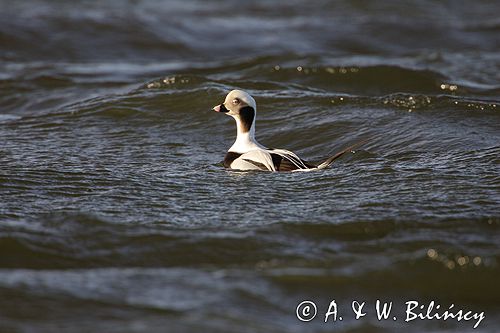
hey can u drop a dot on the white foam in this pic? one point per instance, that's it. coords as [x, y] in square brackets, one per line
[8, 117]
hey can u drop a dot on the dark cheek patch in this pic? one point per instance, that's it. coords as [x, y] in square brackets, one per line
[247, 114]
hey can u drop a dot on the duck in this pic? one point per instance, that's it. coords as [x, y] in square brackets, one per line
[247, 153]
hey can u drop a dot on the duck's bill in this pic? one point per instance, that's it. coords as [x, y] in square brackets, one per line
[220, 108]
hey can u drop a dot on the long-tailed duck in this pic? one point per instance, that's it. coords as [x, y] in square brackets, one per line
[247, 154]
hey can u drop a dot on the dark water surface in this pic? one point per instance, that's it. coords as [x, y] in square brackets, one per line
[117, 216]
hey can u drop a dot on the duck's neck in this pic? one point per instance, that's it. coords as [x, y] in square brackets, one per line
[245, 140]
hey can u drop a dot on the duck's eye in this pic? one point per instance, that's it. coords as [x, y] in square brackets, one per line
[236, 101]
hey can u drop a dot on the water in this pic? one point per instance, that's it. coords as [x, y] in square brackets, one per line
[117, 215]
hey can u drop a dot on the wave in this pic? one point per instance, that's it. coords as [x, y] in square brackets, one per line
[83, 240]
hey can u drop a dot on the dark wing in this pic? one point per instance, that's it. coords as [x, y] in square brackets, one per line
[282, 163]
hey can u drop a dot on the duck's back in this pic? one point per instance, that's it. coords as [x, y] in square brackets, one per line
[266, 159]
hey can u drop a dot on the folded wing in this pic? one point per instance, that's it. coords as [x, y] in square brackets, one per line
[285, 160]
[254, 160]
[268, 160]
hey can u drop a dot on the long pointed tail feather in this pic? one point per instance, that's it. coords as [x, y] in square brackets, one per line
[330, 160]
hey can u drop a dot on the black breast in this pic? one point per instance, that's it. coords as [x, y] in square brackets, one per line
[229, 158]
